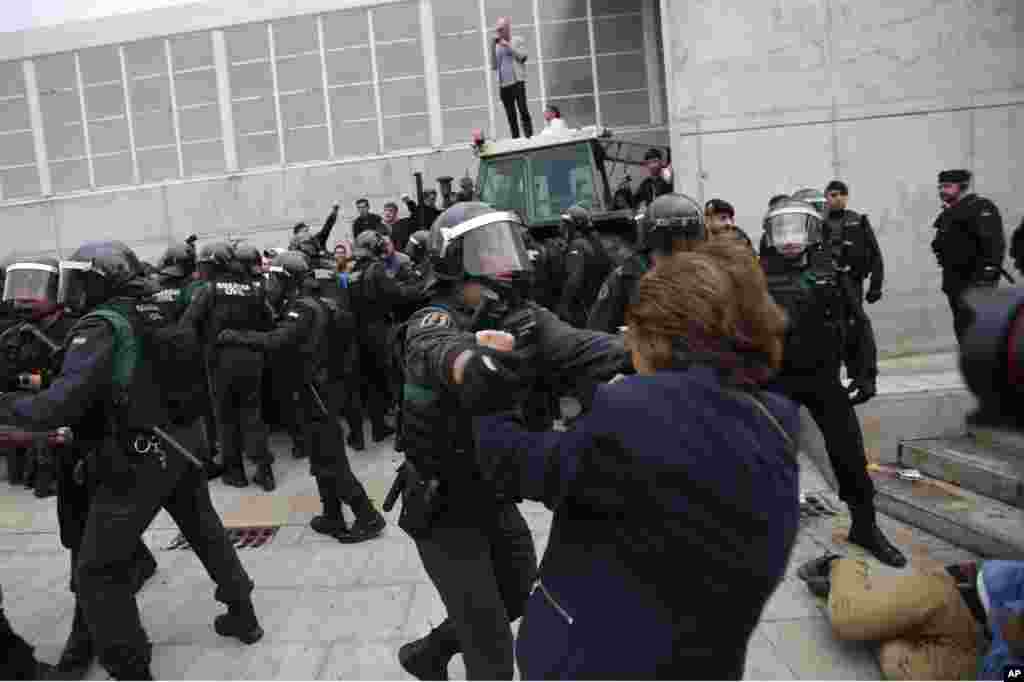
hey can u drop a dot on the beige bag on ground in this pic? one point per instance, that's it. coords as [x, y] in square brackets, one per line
[926, 629]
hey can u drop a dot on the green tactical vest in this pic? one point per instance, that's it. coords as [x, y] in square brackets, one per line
[127, 349]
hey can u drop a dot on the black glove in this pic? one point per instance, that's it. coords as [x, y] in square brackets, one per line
[861, 391]
[491, 381]
[873, 296]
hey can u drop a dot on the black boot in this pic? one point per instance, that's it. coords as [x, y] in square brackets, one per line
[145, 568]
[865, 532]
[369, 522]
[235, 478]
[15, 466]
[78, 652]
[356, 440]
[817, 573]
[332, 521]
[265, 477]
[46, 481]
[428, 658]
[239, 622]
[129, 668]
[381, 432]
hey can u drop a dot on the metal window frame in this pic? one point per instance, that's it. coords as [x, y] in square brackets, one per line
[35, 115]
[655, 69]
[175, 120]
[432, 76]
[277, 92]
[85, 123]
[488, 47]
[542, 82]
[376, 81]
[129, 117]
[328, 114]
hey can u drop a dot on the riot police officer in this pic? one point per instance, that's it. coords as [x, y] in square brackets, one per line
[814, 197]
[31, 345]
[416, 248]
[109, 393]
[806, 281]
[587, 265]
[548, 266]
[299, 342]
[235, 300]
[376, 297]
[969, 244]
[475, 545]
[672, 223]
[851, 233]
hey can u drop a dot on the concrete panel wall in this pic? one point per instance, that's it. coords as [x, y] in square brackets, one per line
[260, 207]
[766, 98]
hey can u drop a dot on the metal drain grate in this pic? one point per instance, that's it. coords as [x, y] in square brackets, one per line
[241, 538]
[812, 507]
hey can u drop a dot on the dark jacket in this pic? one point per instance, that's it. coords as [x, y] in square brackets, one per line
[650, 189]
[969, 244]
[587, 265]
[862, 255]
[438, 422]
[676, 507]
[609, 310]
[430, 214]
[371, 221]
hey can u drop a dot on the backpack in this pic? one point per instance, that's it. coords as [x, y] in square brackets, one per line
[158, 365]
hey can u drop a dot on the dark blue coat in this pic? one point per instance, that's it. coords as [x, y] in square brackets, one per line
[676, 507]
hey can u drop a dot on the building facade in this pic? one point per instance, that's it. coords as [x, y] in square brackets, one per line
[767, 98]
[218, 118]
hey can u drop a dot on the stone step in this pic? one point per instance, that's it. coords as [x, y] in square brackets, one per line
[1008, 441]
[976, 464]
[980, 524]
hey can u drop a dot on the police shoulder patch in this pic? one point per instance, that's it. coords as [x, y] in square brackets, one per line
[436, 318]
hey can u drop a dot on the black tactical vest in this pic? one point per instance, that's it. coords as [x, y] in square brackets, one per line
[813, 303]
[238, 304]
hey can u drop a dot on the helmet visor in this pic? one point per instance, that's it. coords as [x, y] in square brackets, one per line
[789, 233]
[74, 291]
[495, 249]
[27, 282]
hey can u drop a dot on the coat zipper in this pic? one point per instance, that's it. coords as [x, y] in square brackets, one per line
[551, 600]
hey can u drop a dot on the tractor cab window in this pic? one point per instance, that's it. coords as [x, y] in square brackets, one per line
[503, 184]
[562, 176]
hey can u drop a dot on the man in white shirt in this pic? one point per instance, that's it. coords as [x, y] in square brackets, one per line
[556, 124]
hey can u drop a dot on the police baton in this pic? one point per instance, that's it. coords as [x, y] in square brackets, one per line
[396, 488]
[176, 446]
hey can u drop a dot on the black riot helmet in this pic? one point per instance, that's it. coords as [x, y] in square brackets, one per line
[814, 197]
[792, 227]
[249, 259]
[576, 221]
[668, 218]
[178, 261]
[288, 273]
[32, 282]
[217, 256]
[416, 248]
[369, 244]
[471, 240]
[98, 271]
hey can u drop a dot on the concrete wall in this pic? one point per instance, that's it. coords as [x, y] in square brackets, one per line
[262, 206]
[766, 98]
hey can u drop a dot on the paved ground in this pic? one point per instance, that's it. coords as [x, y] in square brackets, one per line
[332, 611]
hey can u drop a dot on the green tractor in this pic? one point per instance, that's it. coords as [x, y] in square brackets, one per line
[540, 177]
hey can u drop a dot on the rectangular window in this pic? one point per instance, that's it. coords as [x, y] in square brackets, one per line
[503, 184]
[562, 176]
[252, 96]
[198, 107]
[19, 176]
[62, 122]
[149, 96]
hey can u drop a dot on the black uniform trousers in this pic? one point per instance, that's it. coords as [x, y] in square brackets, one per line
[73, 499]
[237, 383]
[375, 366]
[131, 489]
[484, 572]
[861, 351]
[324, 437]
[963, 316]
[829, 404]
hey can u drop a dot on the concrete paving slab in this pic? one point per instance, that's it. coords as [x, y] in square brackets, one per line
[361, 659]
[807, 647]
[763, 662]
[791, 601]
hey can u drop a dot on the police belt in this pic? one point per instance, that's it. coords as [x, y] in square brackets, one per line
[151, 439]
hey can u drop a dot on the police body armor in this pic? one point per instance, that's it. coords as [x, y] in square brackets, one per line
[815, 303]
[839, 228]
[169, 297]
[238, 303]
[310, 353]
